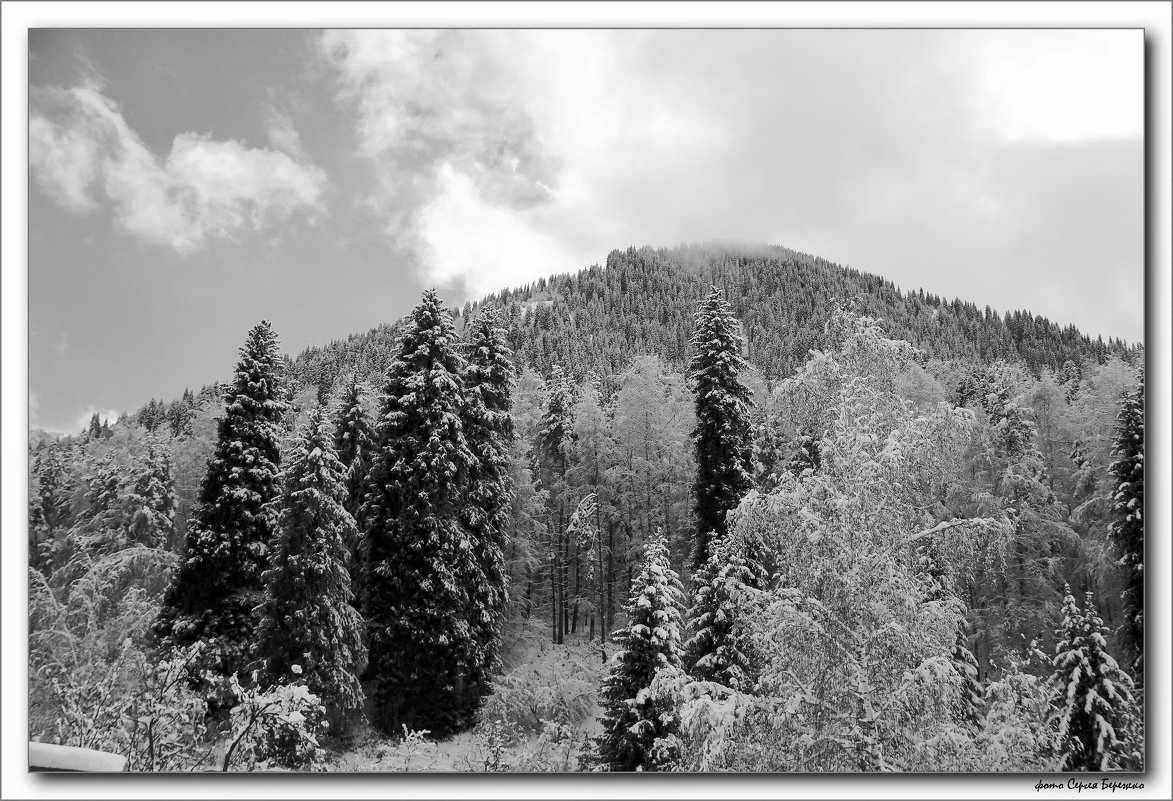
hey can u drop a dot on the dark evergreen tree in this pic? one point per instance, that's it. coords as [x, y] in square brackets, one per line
[723, 442]
[632, 718]
[51, 515]
[152, 501]
[1126, 531]
[806, 456]
[354, 442]
[94, 431]
[307, 618]
[488, 380]
[218, 586]
[1091, 697]
[420, 553]
[716, 651]
[100, 528]
[180, 414]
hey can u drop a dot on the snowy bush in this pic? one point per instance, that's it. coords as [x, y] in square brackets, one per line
[559, 686]
[554, 750]
[133, 706]
[165, 717]
[275, 727]
[411, 752]
[491, 745]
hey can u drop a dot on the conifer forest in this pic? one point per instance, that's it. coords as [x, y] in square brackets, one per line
[717, 507]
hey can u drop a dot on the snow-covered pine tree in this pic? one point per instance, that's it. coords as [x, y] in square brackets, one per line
[1126, 531]
[353, 440]
[354, 443]
[651, 642]
[724, 447]
[307, 618]
[1090, 695]
[151, 501]
[806, 455]
[420, 553]
[52, 508]
[218, 586]
[101, 528]
[716, 652]
[488, 425]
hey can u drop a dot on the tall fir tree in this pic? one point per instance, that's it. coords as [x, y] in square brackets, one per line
[214, 595]
[717, 650]
[724, 445]
[354, 440]
[151, 501]
[354, 444]
[420, 552]
[1126, 531]
[1091, 696]
[488, 380]
[307, 618]
[651, 642]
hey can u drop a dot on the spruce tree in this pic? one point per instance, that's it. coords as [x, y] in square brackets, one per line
[307, 618]
[716, 651]
[52, 508]
[1126, 531]
[723, 443]
[1090, 696]
[100, 528]
[488, 379]
[214, 594]
[354, 443]
[151, 501]
[420, 552]
[632, 719]
[94, 431]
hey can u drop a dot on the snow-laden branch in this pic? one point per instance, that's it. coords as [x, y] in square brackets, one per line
[946, 525]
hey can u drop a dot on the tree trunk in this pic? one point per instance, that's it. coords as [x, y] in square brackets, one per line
[557, 629]
[608, 616]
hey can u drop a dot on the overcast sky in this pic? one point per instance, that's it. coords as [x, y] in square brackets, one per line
[185, 184]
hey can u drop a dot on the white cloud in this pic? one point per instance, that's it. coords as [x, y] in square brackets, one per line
[1062, 85]
[83, 153]
[62, 344]
[508, 154]
[464, 238]
[283, 135]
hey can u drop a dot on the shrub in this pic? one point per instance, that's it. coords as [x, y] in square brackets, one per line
[275, 727]
[559, 686]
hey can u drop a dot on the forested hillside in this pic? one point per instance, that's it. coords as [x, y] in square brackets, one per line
[643, 302]
[745, 508]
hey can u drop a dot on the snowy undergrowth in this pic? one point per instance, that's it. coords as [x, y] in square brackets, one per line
[540, 717]
[558, 685]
